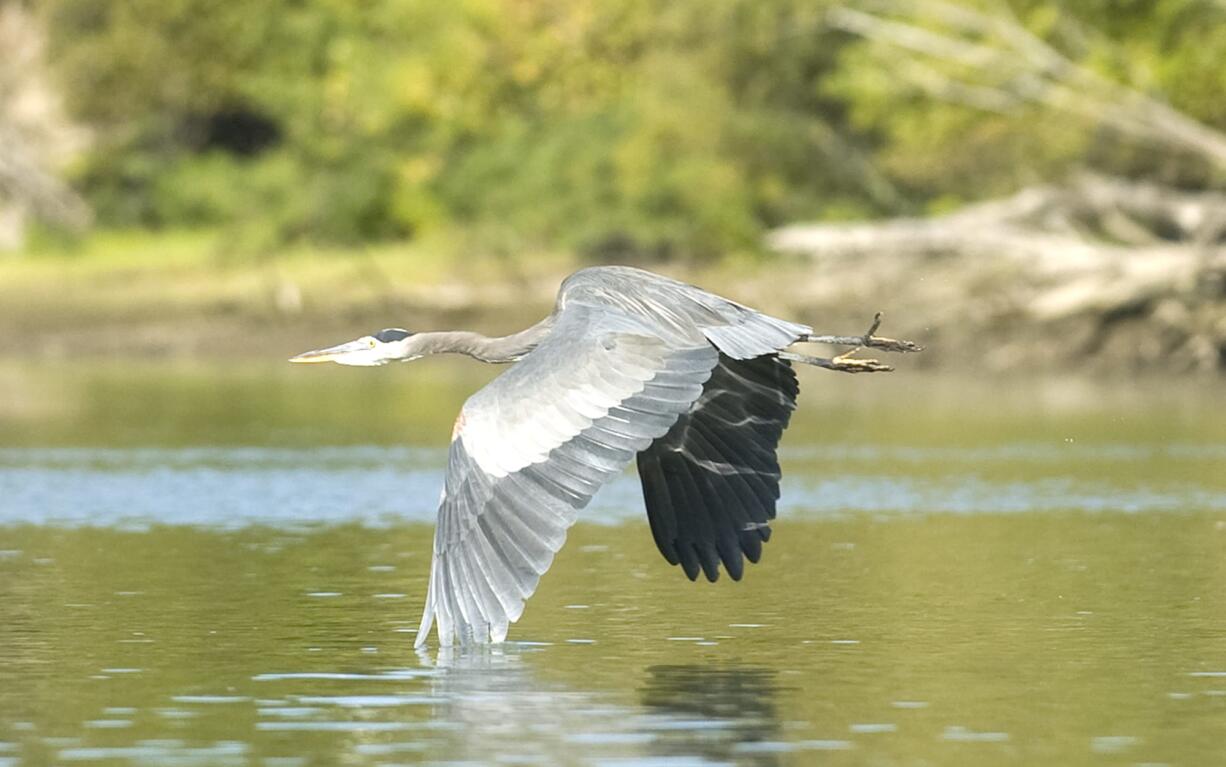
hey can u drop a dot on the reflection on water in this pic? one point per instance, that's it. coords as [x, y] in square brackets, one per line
[202, 567]
[496, 710]
[722, 713]
[967, 639]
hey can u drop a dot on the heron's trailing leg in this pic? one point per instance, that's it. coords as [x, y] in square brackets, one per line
[847, 362]
[867, 341]
[844, 363]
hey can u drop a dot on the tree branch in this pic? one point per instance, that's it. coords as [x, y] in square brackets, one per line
[1081, 225]
[995, 58]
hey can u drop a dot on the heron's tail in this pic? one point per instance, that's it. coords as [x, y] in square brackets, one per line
[750, 334]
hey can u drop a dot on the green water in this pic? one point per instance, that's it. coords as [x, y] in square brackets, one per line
[225, 565]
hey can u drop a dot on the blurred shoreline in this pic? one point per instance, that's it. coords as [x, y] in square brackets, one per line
[177, 296]
[1021, 187]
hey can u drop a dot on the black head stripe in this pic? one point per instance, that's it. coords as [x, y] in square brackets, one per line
[392, 334]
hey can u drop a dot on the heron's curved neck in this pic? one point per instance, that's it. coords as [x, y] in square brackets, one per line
[498, 350]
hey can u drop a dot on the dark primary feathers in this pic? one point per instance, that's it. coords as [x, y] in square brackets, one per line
[633, 364]
[711, 482]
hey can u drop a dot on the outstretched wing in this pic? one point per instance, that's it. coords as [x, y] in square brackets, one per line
[532, 447]
[711, 482]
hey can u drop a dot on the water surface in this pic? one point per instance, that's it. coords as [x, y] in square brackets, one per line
[224, 565]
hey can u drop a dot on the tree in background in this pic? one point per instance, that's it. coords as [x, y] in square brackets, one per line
[36, 139]
[618, 128]
[623, 127]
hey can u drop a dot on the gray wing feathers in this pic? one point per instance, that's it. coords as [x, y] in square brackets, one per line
[628, 354]
[678, 310]
[755, 335]
[497, 535]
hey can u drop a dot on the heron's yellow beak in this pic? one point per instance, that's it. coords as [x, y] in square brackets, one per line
[342, 353]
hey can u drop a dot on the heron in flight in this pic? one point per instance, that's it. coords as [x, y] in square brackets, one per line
[630, 365]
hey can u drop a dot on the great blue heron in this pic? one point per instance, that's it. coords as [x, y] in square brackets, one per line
[629, 364]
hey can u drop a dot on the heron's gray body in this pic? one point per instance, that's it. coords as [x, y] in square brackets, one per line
[629, 364]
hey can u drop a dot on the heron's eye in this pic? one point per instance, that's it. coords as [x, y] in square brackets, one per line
[371, 343]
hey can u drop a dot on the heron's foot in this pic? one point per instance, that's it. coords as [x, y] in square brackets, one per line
[867, 341]
[848, 363]
[844, 363]
[871, 341]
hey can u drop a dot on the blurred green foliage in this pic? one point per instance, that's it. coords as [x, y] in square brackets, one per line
[984, 130]
[616, 128]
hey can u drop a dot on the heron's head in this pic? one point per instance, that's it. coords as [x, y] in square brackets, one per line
[388, 345]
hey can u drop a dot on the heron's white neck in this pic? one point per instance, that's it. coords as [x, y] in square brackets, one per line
[484, 348]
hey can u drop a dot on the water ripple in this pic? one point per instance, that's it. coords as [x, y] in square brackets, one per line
[231, 487]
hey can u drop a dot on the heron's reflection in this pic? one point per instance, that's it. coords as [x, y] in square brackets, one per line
[492, 706]
[714, 713]
[494, 702]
